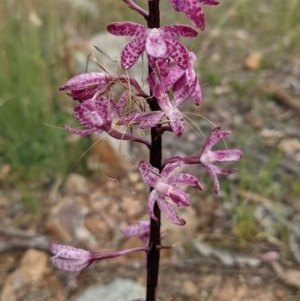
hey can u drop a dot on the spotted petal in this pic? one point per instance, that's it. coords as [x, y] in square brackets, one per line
[178, 53]
[131, 53]
[170, 213]
[145, 120]
[180, 30]
[84, 86]
[125, 28]
[185, 179]
[149, 173]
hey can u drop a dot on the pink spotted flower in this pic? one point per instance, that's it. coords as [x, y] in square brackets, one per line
[208, 156]
[75, 260]
[94, 84]
[193, 10]
[158, 43]
[165, 190]
[70, 259]
[95, 115]
[99, 116]
[140, 230]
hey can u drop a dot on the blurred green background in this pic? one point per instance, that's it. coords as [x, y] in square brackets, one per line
[35, 60]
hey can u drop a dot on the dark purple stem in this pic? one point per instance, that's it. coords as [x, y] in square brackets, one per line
[153, 255]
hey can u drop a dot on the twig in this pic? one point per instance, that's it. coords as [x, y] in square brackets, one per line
[40, 243]
[282, 95]
[11, 231]
[21, 239]
[226, 258]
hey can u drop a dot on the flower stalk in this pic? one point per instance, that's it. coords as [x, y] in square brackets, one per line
[155, 158]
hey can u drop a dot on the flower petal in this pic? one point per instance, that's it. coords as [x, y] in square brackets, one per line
[170, 167]
[153, 197]
[85, 86]
[155, 44]
[226, 155]
[176, 121]
[178, 53]
[169, 213]
[70, 265]
[150, 174]
[68, 252]
[81, 132]
[140, 230]
[179, 197]
[215, 136]
[145, 120]
[185, 179]
[125, 28]
[179, 30]
[131, 53]
[85, 81]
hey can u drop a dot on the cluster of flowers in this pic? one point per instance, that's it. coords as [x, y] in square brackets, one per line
[172, 81]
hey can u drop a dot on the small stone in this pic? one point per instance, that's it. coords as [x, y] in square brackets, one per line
[291, 147]
[32, 268]
[253, 61]
[279, 293]
[34, 263]
[134, 177]
[77, 183]
[118, 290]
[190, 288]
[66, 222]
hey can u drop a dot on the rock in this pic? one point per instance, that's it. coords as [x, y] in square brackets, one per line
[190, 288]
[291, 147]
[76, 184]
[119, 290]
[67, 221]
[32, 268]
[253, 61]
